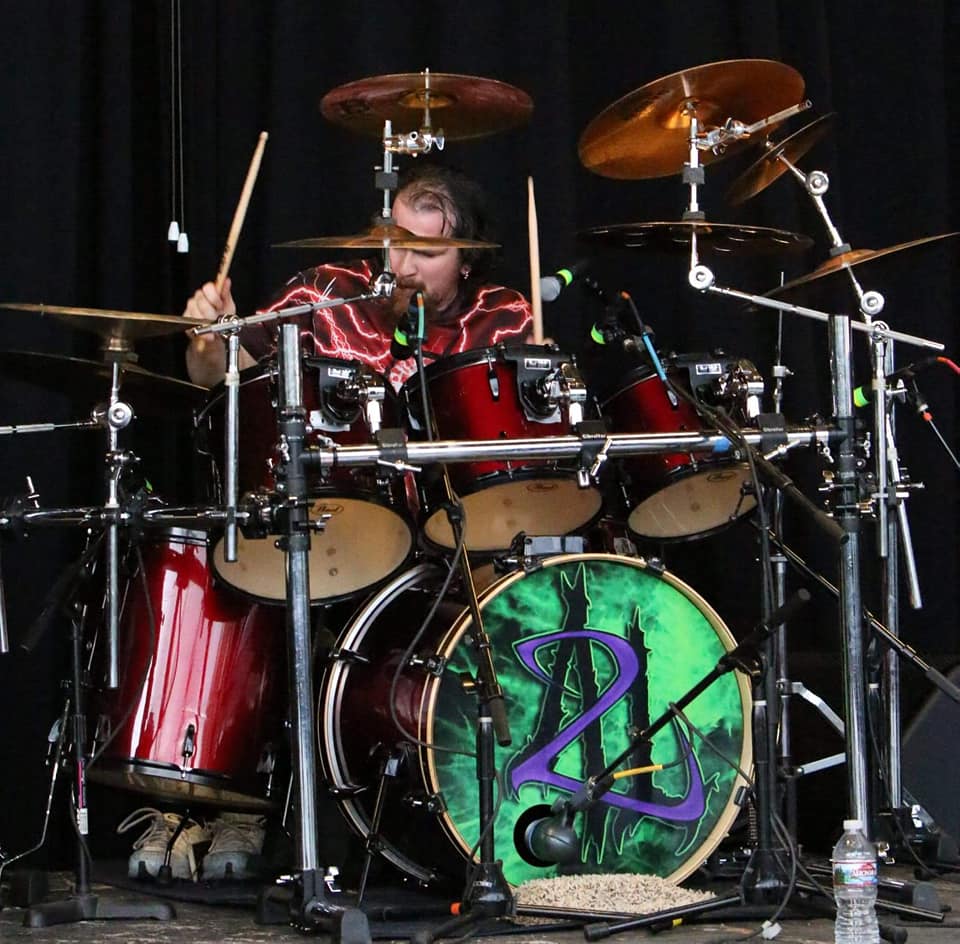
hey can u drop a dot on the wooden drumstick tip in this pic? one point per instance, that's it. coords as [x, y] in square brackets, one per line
[536, 301]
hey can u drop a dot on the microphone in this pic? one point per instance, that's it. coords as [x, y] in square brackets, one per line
[552, 285]
[406, 330]
[864, 394]
[547, 839]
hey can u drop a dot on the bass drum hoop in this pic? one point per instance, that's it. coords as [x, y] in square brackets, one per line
[330, 708]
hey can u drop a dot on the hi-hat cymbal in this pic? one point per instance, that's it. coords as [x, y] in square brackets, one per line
[118, 326]
[385, 236]
[715, 237]
[854, 257]
[150, 393]
[462, 106]
[647, 132]
[768, 167]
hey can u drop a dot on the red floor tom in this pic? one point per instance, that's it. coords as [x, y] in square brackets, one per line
[199, 712]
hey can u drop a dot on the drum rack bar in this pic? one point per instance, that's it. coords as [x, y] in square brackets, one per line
[588, 447]
[592, 450]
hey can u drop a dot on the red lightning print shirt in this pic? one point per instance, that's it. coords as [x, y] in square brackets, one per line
[479, 317]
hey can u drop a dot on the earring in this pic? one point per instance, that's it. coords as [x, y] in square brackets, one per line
[465, 273]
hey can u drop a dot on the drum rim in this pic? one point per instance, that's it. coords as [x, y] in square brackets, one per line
[330, 708]
[477, 355]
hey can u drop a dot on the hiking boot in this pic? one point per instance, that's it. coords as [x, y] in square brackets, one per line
[236, 846]
[150, 850]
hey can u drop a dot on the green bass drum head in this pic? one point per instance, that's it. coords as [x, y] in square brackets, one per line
[587, 649]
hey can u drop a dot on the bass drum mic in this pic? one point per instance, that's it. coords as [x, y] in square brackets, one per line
[544, 836]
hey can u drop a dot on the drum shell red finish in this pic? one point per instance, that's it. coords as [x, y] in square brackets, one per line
[214, 662]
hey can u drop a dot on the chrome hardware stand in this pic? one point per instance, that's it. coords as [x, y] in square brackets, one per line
[309, 906]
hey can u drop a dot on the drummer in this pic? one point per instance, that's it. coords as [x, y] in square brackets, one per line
[464, 309]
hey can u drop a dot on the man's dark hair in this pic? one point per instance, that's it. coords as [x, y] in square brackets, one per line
[461, 200]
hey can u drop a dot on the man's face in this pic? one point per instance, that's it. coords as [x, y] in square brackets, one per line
[436, 273]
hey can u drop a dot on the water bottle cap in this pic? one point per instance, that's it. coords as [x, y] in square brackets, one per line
[852, 825]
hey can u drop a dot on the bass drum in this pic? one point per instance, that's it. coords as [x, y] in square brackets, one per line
[587, 647]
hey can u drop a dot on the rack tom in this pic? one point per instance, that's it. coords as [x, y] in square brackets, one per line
[503, 393]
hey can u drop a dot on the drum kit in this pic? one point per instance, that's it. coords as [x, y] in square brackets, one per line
[455, 520]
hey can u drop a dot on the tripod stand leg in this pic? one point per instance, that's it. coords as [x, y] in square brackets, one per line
[93, 908]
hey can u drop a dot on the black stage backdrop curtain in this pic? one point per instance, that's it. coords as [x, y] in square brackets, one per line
[86, 190]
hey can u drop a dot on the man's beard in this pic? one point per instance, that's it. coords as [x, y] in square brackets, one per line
[402, 298]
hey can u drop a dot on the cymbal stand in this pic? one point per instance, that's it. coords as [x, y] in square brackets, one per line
[888, 499]
[845, 486]
[83, 905]
[309, 907]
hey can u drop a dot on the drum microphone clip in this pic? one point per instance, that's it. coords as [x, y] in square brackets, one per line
[409, 333]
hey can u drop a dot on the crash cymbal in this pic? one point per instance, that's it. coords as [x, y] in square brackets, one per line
[714, 237]
[647, 132]
[384, 236]
[768, 167]
[117, 326]
[854, 257]
[462, 106]
[90, 380]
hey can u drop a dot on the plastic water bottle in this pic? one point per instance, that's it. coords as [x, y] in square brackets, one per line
[855, 887]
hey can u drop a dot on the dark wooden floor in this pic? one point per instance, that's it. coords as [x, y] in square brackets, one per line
[196, 923]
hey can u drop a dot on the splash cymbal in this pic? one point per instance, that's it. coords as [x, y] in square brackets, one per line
[768, 167]
[647, 132]
[462, 106]
[854, 257]
[385, 236]
[714, 237]
[149, 392]
[117, 326]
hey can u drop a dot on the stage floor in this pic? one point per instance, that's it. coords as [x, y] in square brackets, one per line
[199, 923]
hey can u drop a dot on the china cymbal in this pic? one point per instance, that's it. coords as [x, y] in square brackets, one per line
[847, 260]
[150, 393]
[462, 106]
[715, 237]
[119, 326]
[647, 132]
[383, 236]
[768, 167]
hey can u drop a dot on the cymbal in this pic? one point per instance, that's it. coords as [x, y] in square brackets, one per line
[647, 132]
[385, 235]
[715, 237]
[847, 260]
[151, 393]
[119, 326]
[462, 106]
[768, 167]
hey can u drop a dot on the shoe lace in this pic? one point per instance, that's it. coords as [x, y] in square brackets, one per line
[236, 836]
[160, 828]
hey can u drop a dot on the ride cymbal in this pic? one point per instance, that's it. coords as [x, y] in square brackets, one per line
[714, 237]
[114, 325]
[385, 236]
[647, 132]
[90, 380]
[461, 106]
[854, 257]
[768, 167]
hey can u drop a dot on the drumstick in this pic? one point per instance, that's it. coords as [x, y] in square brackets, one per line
[241, 212]
[536, 302]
